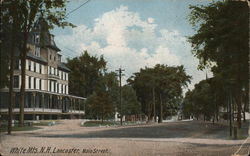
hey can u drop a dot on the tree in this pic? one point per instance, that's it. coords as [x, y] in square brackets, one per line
[221, 43]
[9, 45]
[142, 83]
[161, 85]
[100, 104]
[85, 73]
[112, 87]
[200, 101]
[89, 78]
[130, 104]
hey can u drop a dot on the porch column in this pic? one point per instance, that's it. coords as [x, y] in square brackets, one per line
[71, 108]
[74, 104]
[59, 106]
[71, 104]
[13, 108]
[43, 105]
[50, 106]
[83, 106]
[34, 105]
[79, 102]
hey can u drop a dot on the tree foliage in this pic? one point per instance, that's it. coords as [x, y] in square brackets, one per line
[89, 78]
[85, 73]
[200, 101]
[130, 104]
[162, 84]
[221, 43]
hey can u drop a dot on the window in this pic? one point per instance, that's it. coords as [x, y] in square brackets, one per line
[37, 51]
[49, 69]
[34, 66]
[54, 58]
[50, 85]
[40, 68]
[62, 88]
[65, 89]
[58, 88]
[36, 38]
[16, 81]
[52, 70]
[29, 82]
[58, 58]
[17, 64]
[34, 83]
[50, 56]
[55, 86]
[62, 75]
[40, 84]
[65, 76]
[29, 65]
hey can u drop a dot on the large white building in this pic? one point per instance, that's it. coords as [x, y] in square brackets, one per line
[47, 87]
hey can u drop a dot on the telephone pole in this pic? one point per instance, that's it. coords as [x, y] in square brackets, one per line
[120, 78]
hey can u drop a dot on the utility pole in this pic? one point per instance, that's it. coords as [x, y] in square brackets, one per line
[120, 78]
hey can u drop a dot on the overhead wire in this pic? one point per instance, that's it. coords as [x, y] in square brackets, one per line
[65, 53]
[77, 8]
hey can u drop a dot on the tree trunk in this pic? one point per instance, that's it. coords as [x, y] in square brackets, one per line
[149, 108]
[23, 73]
[102, 111]
[154, 104]
[11, 93]
[160, 112]
[217, 116]
[244, 108]
[239, 109]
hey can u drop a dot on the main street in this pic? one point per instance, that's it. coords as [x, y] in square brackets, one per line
[172, 138]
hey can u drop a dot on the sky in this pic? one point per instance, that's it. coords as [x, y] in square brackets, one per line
[132, 34]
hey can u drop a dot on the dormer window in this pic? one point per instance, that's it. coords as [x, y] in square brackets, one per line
[59, 58]
[36, 38]
[37, 51]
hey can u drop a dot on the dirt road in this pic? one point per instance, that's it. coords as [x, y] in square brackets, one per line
[173, 139]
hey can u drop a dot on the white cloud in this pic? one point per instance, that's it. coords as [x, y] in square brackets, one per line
[150, 20]
[128, 41]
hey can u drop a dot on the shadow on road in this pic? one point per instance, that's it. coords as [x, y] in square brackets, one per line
[192, 129]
